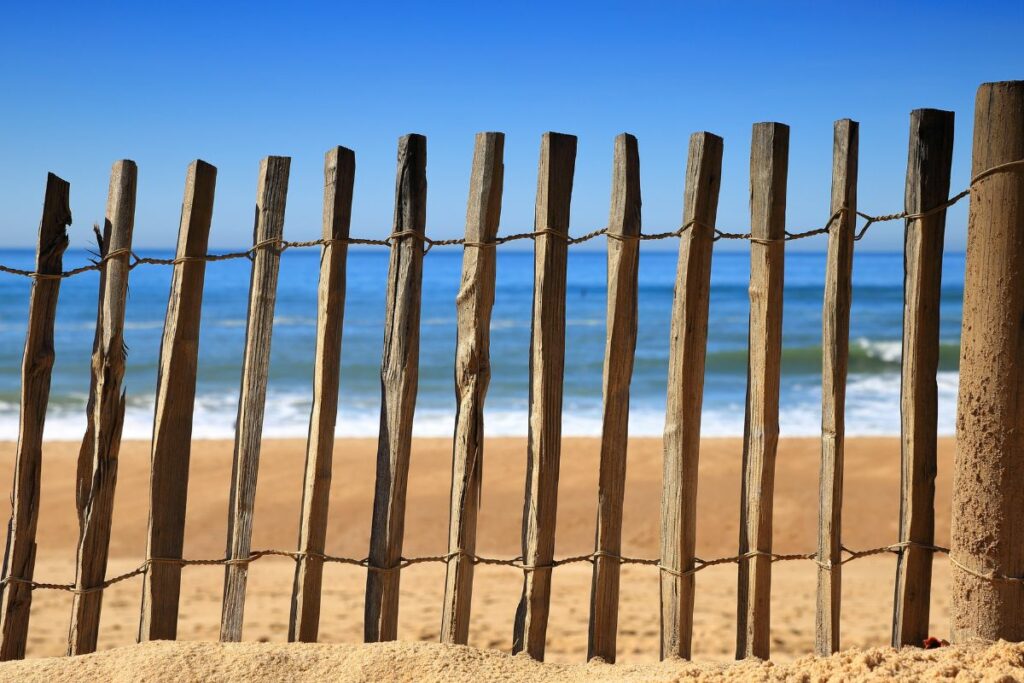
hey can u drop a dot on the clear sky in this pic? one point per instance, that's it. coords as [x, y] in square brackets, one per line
[83, 84]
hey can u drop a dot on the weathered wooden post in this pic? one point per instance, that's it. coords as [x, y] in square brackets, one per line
[474, 301]
[619, 350]
[399, 379]
[36, 370]
[97, 460]
[988, 484]
[928, 165]
[339, 178]
[547, 362]
[688, 338]
[835, 349]
[171, 447]
[769, 166]
[271, 197]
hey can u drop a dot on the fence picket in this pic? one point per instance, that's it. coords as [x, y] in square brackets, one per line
[339, 177]
[769, 165]
[687, 350]
[271, 196]
[399, 377]
[620, 345]
[472, 375]
[175, 399]
[928, 169]
[36, 371]
[835, 347]
[97, 460]
[547, 359]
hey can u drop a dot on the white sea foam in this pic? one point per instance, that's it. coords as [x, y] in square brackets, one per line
[872, 408]
[887, 351]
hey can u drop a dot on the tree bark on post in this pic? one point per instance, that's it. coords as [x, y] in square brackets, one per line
[988, 481]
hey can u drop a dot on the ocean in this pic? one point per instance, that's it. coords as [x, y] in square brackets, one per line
[872, 396]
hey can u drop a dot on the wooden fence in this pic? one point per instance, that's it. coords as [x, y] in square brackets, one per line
[987, 548]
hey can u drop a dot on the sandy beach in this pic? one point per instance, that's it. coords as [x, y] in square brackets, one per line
[405, 661]
[870, 520]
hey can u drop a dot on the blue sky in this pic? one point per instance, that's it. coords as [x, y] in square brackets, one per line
[87, 83]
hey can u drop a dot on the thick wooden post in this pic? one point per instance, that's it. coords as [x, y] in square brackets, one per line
[36, 369]
[175, 399]
[339, 177]
[472, 375]
[988, 482]
[769, 165]
[620, 345]
[928, 167]
[97, 460]
[399, 377]
[271, 194]
[547, 360]
[687, 351]
[835, 347]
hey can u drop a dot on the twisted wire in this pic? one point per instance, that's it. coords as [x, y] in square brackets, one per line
[514, 562]
[279, 245]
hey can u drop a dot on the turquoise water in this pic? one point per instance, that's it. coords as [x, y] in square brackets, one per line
[873, 395]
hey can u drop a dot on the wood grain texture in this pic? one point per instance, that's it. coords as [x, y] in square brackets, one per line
[472, 375]
[175, 399]
[835, 345]
[36, 370]
[97, 459]
[271, 195]
[988, 481]
[687, 351]
[928, 169]
[547, 361]
[620, 346]
[399, 379]
[769, 166]
[339, 177]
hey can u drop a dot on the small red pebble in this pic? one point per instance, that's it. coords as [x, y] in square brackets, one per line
[930, 643]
